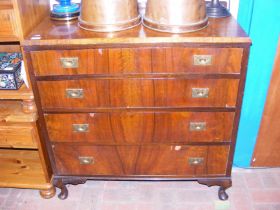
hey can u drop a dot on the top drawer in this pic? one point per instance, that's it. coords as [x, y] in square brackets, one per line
[137, 61]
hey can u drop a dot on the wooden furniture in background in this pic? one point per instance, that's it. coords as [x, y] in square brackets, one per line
[23, 159]
[19, 17]
[267, 149]
[139, 104]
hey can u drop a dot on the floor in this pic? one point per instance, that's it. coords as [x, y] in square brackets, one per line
[256, 189]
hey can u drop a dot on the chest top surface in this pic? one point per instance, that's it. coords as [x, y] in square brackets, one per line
[48, 32]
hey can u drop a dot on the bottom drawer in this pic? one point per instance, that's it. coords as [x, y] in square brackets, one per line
[150, 160]
[21, 168]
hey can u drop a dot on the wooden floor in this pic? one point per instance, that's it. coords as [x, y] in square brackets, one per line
[252, 190]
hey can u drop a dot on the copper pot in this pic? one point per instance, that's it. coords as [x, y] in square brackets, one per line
[176, 16]
[109, 15]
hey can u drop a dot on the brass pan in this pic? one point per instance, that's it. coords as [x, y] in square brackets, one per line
[109, 15]
[176, 16]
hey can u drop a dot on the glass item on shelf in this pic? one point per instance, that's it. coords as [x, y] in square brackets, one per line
[10, 71]
[65, 10]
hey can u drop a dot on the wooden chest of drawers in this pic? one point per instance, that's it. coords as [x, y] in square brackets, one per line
[141, 104]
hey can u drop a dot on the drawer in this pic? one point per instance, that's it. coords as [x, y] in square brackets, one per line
[134, 93]
[87, 160]
[152, 160]
[23, 135]
[8, 27]
[140, 128]
[137, 61]
[21, 169]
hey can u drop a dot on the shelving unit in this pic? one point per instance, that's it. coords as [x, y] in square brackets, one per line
[23, 159]
[23, 93]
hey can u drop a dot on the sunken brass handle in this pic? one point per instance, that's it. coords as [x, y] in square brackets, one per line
[202, 60]
[197, 126]
[69, 62]
[80, 128]
[200, 92]
[193, 161]
[86, 160]
[74, 93]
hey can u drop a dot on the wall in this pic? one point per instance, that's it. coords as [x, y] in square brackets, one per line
[261, 21]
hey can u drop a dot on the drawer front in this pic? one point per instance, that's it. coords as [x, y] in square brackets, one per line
[124, 93]
[87, 160]
[18, 136]
[140, 128]
[156, 160]
[21, 169]
[137, 61]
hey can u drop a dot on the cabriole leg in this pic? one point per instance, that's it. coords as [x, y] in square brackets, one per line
[223, 183]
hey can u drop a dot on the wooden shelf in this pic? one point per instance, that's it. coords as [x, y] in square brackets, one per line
[22, 94]
[9, 39]
[22, 169]
[14, 47]
[11, 112]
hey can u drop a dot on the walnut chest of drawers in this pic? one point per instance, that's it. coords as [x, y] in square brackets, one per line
[139, 105]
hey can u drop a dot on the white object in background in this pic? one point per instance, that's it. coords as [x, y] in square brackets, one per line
[23, 74]
[234, 8]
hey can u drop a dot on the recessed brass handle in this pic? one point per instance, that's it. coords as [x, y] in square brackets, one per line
[86, 160]
[202, 60]
[80, 128]
[197, 126]
[200, 92]
[74, 93]
[193, 161]
[69, 63]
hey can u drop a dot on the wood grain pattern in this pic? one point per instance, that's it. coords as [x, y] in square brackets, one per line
[8, 47]
[20, 135]
[22, 94]
[11, 112]
[93, 61]
[29, 14]
[105, 160]
[140, 128]
[8, 29]
[173, 160]
[22, 169]
[141, 160]
[138, 93]
[137, 61]
[267, 149]
[225, 30]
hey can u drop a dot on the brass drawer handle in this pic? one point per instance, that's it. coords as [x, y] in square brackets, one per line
[86, 160]
[197, 126]
[80, 128]
[200, 92]
[74, 93]
[202, 60]
[194, 161]
[69, 63]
